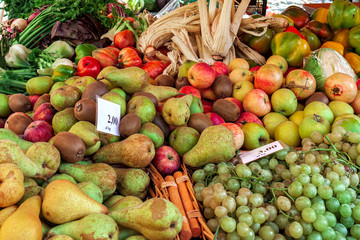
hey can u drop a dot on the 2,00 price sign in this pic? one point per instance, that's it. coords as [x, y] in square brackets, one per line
[108, 116]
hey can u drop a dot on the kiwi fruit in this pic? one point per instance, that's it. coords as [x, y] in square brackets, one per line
[42, 99]
[149, 95]
[18, 122]
[95, 89]
[164, 80]
[222, 86]
[19, 103]
[199, 121]
[226, 109]
[129, 124]
[317, 96]
[2, 123]
[85, 110]
[181, 82]
[160, 122]
[71, 147]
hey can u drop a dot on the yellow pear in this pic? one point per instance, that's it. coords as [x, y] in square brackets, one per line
[11, 184]
[6, 212]
[25, 223]
[64, 202]
[61, 237]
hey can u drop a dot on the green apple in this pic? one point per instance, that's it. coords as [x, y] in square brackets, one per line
[184, 68]
[154, 133]
[284, 101]
[340, 107]
[241, 88]
[319, 108]
[119, 91]
[271, 121]
[349, 122]
[118, 99]
[143, 107]
[5, 110]
[196, 106]
[255, 135]
[312, 123]
[288, 133]
[183, 139]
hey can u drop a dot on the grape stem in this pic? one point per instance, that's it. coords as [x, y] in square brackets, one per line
[275, 198]
[217, 232]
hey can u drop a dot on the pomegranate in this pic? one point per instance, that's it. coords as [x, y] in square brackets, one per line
[356, 103]
[341, 87]
[268, 78]
[301, 82]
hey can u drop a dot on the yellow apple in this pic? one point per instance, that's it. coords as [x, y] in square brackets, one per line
[240, 89]
[340, 107]
[297, 117]
[271, 121]
[278, 61]
[238, 63]
[288, 133]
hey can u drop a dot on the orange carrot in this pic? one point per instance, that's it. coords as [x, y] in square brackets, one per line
[188, 205]
[175, 198]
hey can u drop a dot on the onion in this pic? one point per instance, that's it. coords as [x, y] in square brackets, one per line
[20, 24]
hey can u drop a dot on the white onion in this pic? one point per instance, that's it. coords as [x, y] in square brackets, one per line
[19, 23]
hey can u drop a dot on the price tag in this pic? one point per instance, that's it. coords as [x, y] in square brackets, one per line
[260, 152]
[107, 116]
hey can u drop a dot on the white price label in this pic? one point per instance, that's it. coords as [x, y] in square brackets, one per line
[260, 152]
[107, 116]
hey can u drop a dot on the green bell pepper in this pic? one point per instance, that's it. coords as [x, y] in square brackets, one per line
[343, 14]
[260, 44]
[354, 38]
[311, 38]
[62, 73]
[83, 50]
[290, 46]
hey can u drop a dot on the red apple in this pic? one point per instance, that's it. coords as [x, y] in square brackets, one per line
[237, 102]
[246, 117]
[44, 112]
[268, 78]
[288, 71]
[39, 131]
[166, 160]
[208, 93]
[220, 68]
[257, 102]
[33, 99]
[358, 84]
[207, 105]
[189, 90]
[160, 106]
[201, 75]
[238, 133]
[216, 119]
[2, 123]
[254, 69]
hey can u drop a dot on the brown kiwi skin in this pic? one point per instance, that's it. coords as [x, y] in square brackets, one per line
[164, 80]
[18, 122]
[129, 124]
[95, 89]
[181, 82]
[199, 121]
[317, 96]
[19, 103]
[226, 109]
[160, 122]
[71, 147]
[85, 110]
[222, 86]
[42, 99]
[150, 96]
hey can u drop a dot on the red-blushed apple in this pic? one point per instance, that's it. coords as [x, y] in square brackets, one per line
[255, 69]
[237, 102]
[33, 99]
[246, 117]
[207, 105]
[208, 93]
[44, 112]
[160, 106]
[38, 131]
[201, 75]
[288, 71]
[166, 160]
[189, 90]
[2, 123]
[358, 84]
[257, 102]
[216, 119]
[356, 103]
[268, 78]
[238, 133]
[220, 68]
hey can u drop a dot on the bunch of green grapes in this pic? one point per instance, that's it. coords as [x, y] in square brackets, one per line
[308, 194]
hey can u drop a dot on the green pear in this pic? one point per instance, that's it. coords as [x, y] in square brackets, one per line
[216, 144]
[64, 120]
[132, 182]
[154, 133]
[112, 200]
[59, 176]
[92, 190]
[183, 139]
[10, 135]
[119, 91]
[118, 99]
[196, 106]
[82, 82]
[101, 174]
[156, 219]
[136, 237]
[135, 151]
[255, 135]
[5, 110]
[161, 92]
[126, 232]
[271, 121]
[184, 68]
[71, 80]
[340, 107]
[56, 86]
[10, 152]
[95, 226]
[176, 111]
[349, 122]
[64, 97]
[87, 132]
[30, 192]
[143, 107]
[29, 182]
[130, 79]
[93, 149]
[39, 85]
[128, 201]
[106, 138]
[319, 108]
[104, 71]
[60, 237]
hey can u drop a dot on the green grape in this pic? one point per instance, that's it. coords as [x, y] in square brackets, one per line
[303, 178]
[228, 224]
[229, 203]
[259, 188]
[273, 163]
[344, 197]
[245, 191]
[307, 227]
[295, 169]
[291, 157]
[233, 236]
[331, 218]
[316, 137]
[310, 158]
[266, 233]
[325, 191]
[317, 199]
[305, 168]
[218, 187]
[339, 236]
[209, 168]
[254, 166]
[354, 179]
[258, 215]
[339, 129]
[309, 215]
[345, 180]
[221, 235]
[338, 145]
[314, 236]
[246, 218]
[199, 196]
[243, 229]
[283, 203]
[273, 212]
[199, 187]
[245, 184]
[332, 205]
[251, 235]
[263, 162]
[198, 175]
[327, 182]
[282, 154]
[353, 193]
[207, 191]
[233, 185]
[339, 227]
[213, 203]
[319, 208]
[295, 189]
[223, 169]
[279, 237]
[241, 210]
[348, 222]
[338, 186]
[274, 227]
[286, 174]
[212, 224]
[356, 213]
[321, 223]
[302, 202]
[328, 234]
[346, 147]
[209, 213]
[321, 158]
[335, 137]
[224, 177]
[339, 169]
[295, 230]
[215, 179]
[350, 238]
[220, 211]
[219, 196]
[256, 200]
[230, 165]
[243, 171]
[315, 168]
[345, 210]
[207, 200]
[256, 227]
[279, 168]
[241, 200]
[309, 190]
[266, 175]
[355, 231]
[282, 221]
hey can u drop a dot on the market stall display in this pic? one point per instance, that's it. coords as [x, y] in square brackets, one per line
[197, 123]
